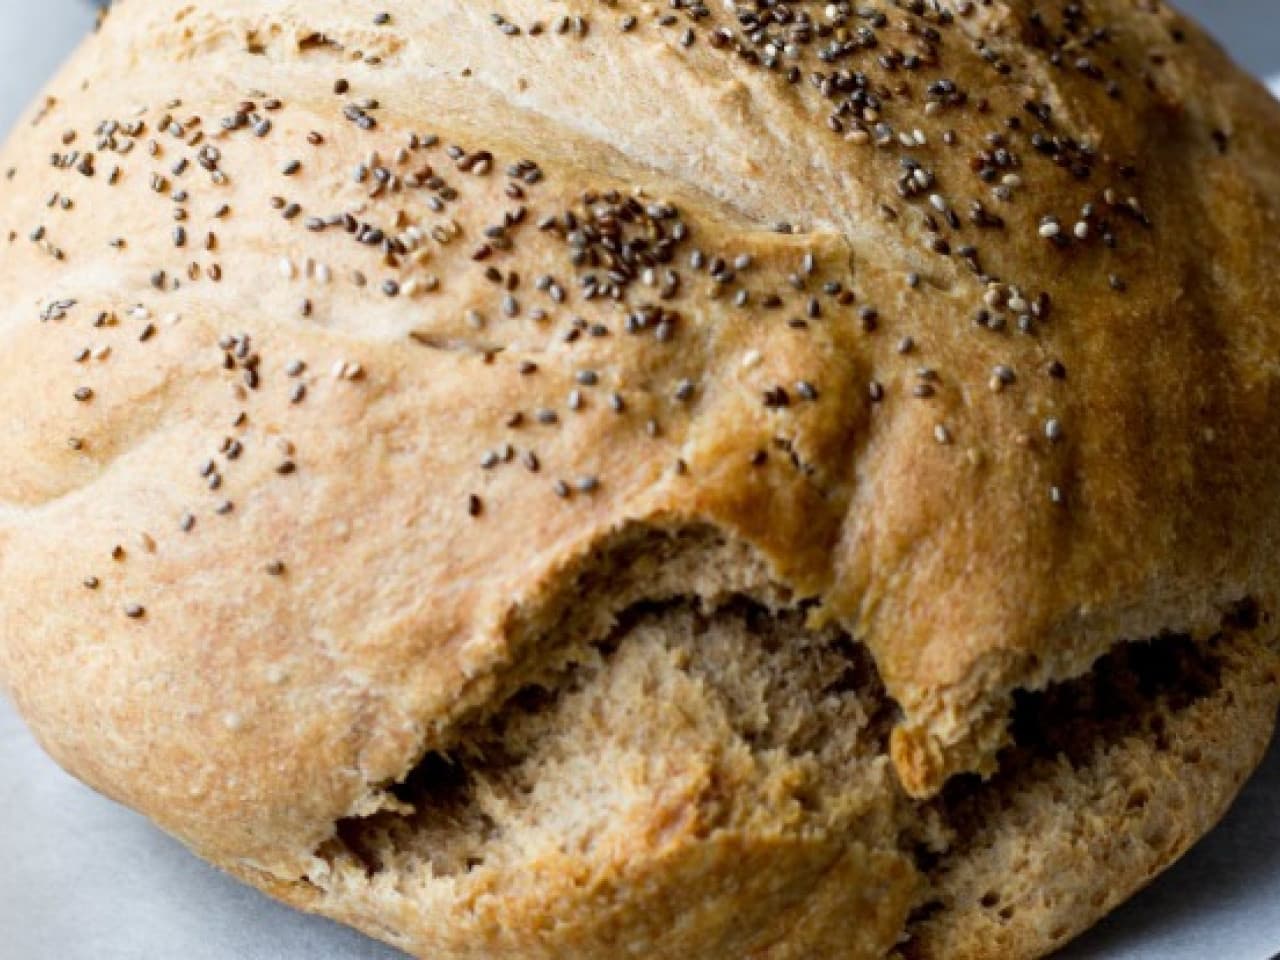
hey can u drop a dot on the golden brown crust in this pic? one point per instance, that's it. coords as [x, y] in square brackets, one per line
[307, 446]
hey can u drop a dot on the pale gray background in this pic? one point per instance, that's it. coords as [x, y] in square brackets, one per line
[81, 879]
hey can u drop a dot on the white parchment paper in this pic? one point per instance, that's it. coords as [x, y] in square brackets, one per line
[83, 879]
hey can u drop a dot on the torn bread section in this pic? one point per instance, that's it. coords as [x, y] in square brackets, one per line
[698, 781]
[698, 762]
[1110, 778]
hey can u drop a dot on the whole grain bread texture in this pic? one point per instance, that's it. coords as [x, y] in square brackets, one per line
[577, 480]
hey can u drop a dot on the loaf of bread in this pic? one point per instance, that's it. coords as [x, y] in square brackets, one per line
[692, 481]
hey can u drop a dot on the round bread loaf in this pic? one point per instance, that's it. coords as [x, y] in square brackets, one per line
[701, 481]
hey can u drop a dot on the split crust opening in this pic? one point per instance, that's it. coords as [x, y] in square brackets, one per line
[704, 707]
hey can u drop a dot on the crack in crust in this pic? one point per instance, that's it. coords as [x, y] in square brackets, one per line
[730, 708]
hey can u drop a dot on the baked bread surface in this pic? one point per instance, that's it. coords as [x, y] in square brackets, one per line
[582, 480]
